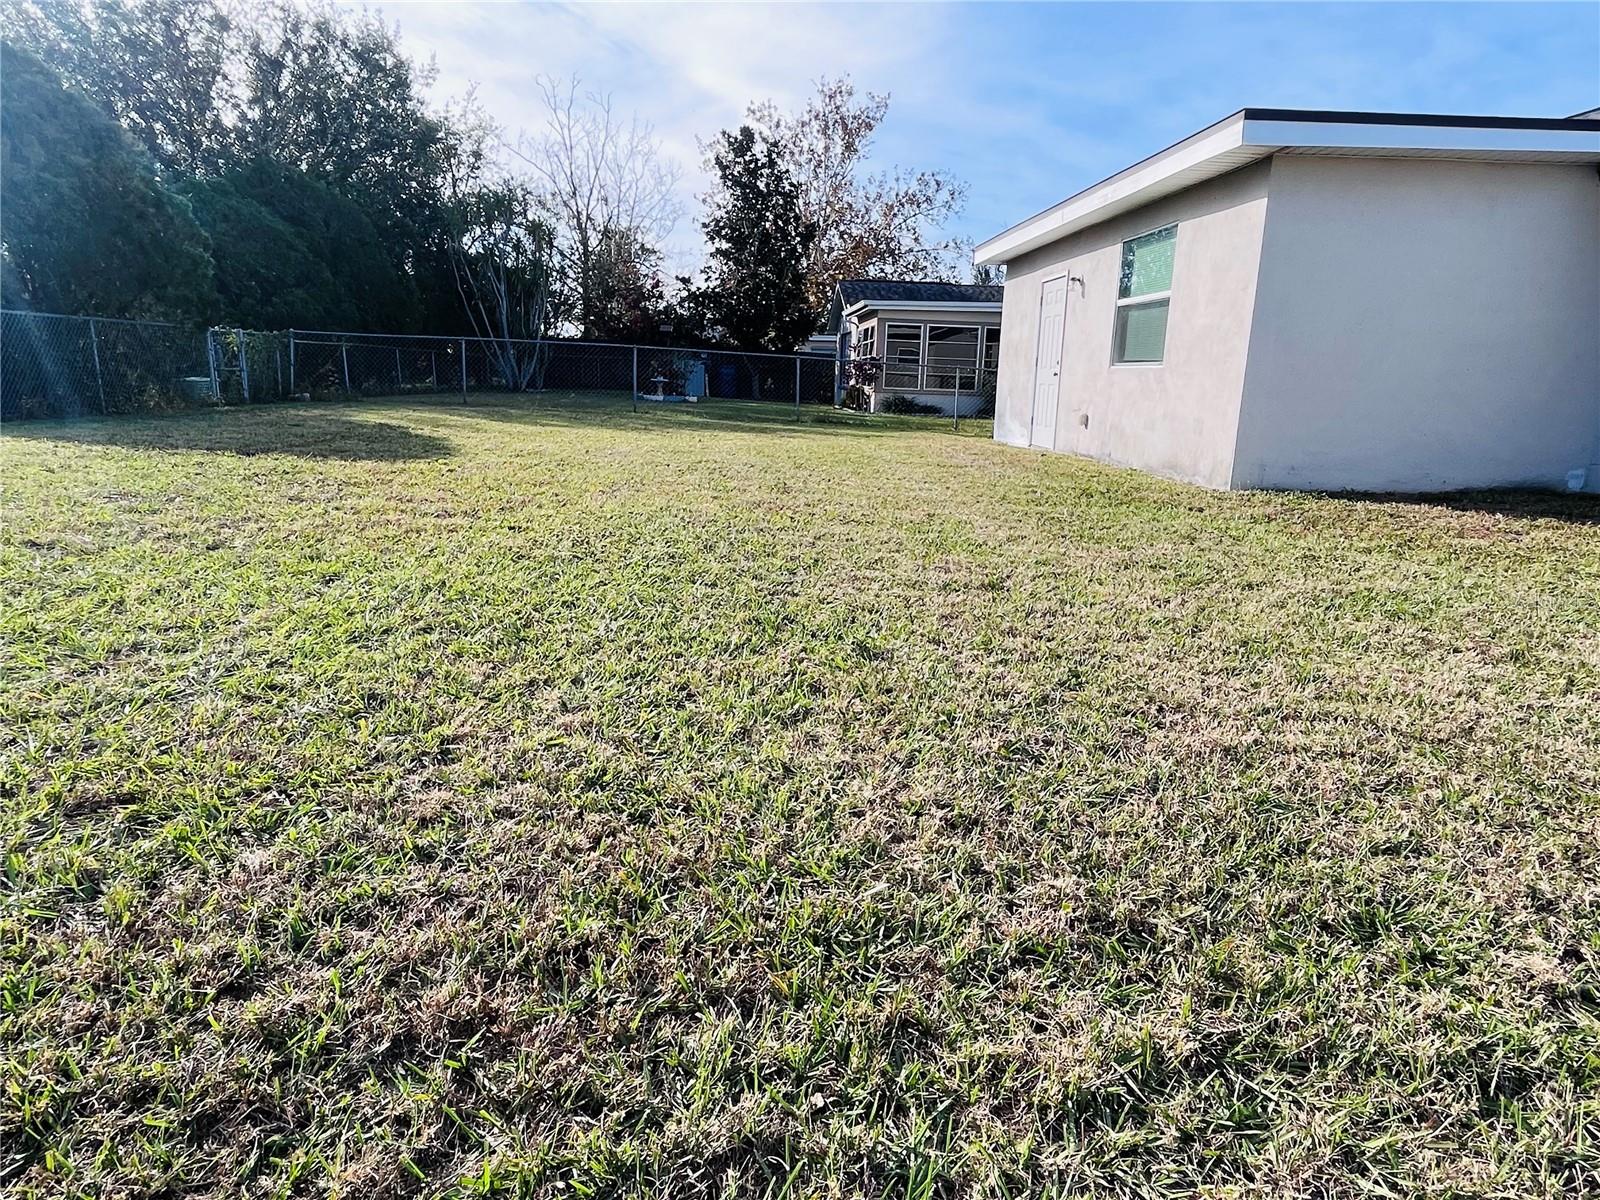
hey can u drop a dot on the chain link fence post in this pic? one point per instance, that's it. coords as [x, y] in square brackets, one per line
[955, 409]
[796, 387]
[344, 357]
[463, 370]
[636, 379]
[99, 377]
[244, 366]
[291, 362]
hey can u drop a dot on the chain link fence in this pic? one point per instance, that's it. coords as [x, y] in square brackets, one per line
[53, 365]
[403, 364]
[69, 366]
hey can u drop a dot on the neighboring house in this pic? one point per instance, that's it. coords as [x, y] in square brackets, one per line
[934, 343]
[1324, 300]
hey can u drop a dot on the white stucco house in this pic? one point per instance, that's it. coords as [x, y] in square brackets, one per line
[1319, 300]
[936, 344]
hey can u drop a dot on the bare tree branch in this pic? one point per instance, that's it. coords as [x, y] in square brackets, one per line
[867, 223]
[603, 179]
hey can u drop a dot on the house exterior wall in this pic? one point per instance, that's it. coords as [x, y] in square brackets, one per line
[1424, 325]
[1177, 418]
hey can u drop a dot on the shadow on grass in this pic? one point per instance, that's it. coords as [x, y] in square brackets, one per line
[353, 430]
[248, 432]
[739, 416]
[1577, 508]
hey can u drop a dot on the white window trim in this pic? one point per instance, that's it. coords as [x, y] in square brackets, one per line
[1145, 298]
[866, 341]
[925, 361]
[894, 365]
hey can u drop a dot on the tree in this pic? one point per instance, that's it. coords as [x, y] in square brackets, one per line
[758, 242]
[290, 251]
[88, 226]
[868, 224]
[213, 88]
[334, 95]
[502, 263]
[267, 277]
[608, 190]
[162, 68]
[629, 303]
[215, 91]
[210, 90]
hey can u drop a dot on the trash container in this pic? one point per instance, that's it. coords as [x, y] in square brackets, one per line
[694, 379]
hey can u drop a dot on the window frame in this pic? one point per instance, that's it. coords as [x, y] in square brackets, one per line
[931, 365]
[1143, 300]
[866, 342]
[991, 337]
[895, 370]
[922, 343]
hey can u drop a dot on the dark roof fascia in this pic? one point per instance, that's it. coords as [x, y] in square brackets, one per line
[1439, 120]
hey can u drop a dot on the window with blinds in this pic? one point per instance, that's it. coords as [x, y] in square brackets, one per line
[1144, 293]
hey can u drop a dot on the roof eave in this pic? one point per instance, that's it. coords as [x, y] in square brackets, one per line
[1250, 135]
[884, 305]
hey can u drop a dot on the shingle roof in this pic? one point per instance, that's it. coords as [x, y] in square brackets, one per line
[853, 291]
[913, 291]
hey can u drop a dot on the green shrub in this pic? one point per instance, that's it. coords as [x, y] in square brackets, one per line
[904, 406]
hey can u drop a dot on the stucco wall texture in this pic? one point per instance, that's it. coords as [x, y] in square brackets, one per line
[1380, 324]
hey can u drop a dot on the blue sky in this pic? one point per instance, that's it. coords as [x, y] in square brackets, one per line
[1026, 102]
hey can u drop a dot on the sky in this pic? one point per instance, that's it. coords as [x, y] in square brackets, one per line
[1028, 103]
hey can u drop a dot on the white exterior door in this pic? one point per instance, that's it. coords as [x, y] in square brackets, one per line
[1047, 363]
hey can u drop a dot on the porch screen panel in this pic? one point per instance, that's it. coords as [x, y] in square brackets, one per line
[902, 356]
[991, 348]
[949, 347]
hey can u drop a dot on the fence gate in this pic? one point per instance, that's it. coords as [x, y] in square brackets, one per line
[249, 365]
[229, 361]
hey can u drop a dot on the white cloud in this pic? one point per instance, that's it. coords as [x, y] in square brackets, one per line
[1027, 103]
[687, 69]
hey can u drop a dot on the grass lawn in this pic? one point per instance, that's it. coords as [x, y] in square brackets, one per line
[407, 798]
